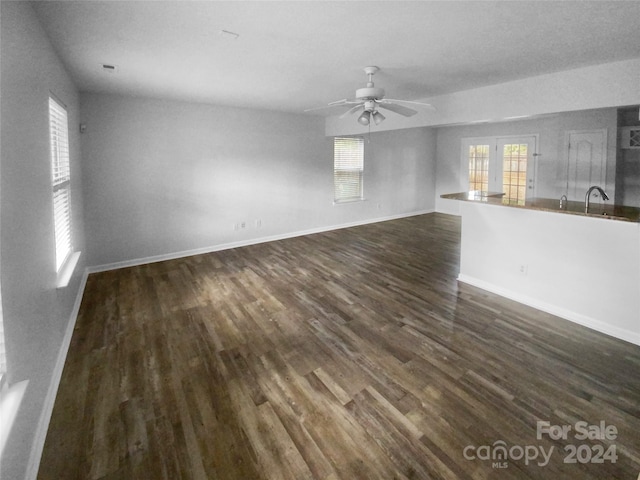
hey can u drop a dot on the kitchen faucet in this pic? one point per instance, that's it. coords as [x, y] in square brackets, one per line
[563, 201]
[588, 196]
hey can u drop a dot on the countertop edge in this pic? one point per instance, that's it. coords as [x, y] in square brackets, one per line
[621, 213]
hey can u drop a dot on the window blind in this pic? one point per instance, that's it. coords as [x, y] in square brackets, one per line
[348, 167]
[3, 355]
[61, 180]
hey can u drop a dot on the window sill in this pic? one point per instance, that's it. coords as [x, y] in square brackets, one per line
[10, 400]
[355, 200]
[66, 272]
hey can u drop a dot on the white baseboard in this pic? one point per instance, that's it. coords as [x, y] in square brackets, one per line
[47, 409]
[244, 243]
[585, 321]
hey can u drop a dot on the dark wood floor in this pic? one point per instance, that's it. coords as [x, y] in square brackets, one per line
[352, 354]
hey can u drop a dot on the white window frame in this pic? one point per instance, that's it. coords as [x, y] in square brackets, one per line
[348, 169]
[65, 258]
[3, 351]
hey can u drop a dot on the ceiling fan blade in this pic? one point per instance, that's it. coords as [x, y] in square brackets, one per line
[338, 103]
[345, 102]
[394, 107]
[320, 108]
[325, 107]
[422, 104]
[352, 110]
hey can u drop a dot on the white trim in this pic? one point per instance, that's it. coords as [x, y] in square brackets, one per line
[10, 401]
[244, 243]
[592, 323]
[47, 409]
[346, 202]
[66, 272]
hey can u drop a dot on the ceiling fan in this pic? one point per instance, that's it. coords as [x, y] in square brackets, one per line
[369, 99]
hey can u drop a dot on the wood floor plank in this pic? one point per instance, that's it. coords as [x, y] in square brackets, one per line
[349, 354]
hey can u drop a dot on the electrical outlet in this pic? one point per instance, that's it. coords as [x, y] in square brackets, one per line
[243, 225]
[258, 223]
[523, 269]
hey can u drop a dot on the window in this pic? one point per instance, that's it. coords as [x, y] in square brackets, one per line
[3, 355]
[61, 180]
[348, 168]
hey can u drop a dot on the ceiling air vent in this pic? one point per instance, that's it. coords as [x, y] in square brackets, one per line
[228, 35]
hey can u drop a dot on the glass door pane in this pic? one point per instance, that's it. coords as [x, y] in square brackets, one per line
[517, 172]
[479, 167]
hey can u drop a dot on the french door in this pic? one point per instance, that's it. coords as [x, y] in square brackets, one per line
[500, 164]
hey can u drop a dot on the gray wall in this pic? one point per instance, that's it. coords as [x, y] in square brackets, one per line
[163, 177]
[36, 314]
[551, 174]
[156, 178]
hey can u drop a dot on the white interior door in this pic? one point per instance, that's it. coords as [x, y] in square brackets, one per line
[586, 162]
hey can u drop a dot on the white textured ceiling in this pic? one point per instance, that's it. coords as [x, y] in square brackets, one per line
[296, 55]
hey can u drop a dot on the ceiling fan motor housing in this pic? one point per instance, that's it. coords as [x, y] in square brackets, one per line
[370, 93]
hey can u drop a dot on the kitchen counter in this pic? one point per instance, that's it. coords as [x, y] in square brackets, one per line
[597, 210]
[571, 266]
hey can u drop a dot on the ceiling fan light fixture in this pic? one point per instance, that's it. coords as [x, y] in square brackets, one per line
[365, 118]
[378, 118]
